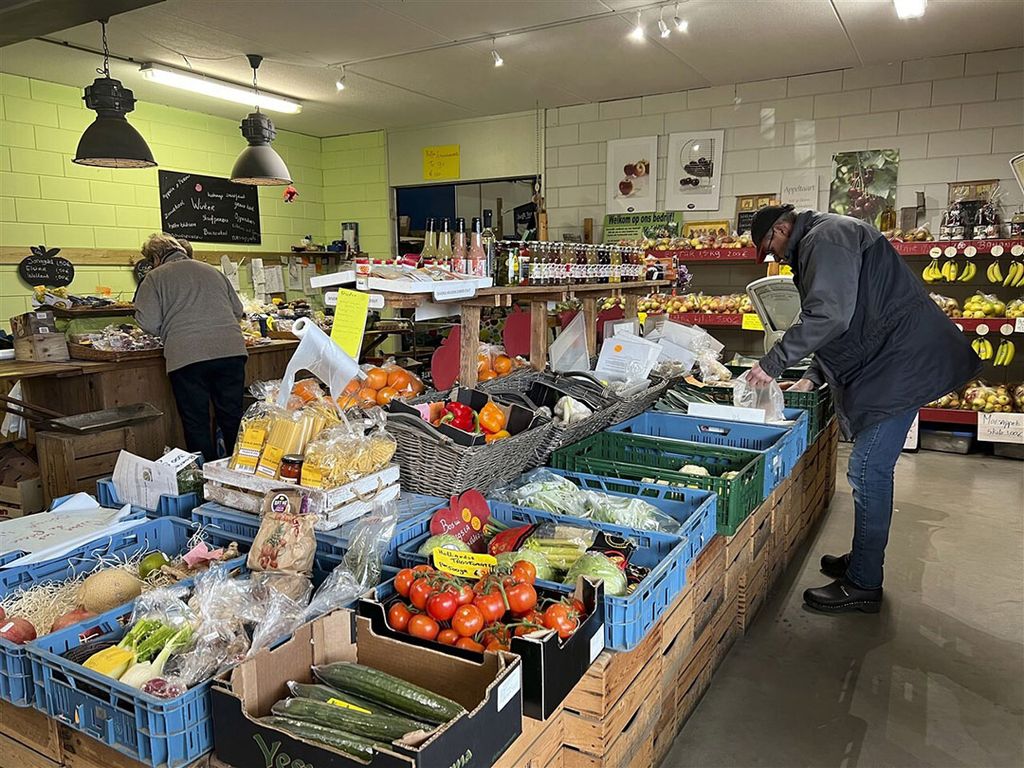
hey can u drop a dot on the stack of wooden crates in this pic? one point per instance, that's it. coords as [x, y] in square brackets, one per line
[36, 338]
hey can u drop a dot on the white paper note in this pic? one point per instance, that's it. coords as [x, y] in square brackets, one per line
[230, 270]
[142, 482]
[294, 274]
[47, 535]
[275, 279]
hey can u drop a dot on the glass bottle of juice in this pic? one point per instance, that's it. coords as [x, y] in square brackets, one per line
[476, 258]
[615, 264]
[460, 248]
[444, 245]
[428, 256]
[488, 241]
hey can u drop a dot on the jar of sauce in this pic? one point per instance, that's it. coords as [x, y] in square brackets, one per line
[291, 468]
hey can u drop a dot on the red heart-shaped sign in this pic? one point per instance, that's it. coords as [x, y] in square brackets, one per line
[464, 518]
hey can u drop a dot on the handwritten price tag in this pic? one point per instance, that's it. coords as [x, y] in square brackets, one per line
[1001, 427]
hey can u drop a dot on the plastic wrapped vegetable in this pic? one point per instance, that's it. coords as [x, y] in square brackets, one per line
[598, 566]
[543, 489]
[569, 410]
[540, 561]
[442, 541]
[628, 512]
[561, 544]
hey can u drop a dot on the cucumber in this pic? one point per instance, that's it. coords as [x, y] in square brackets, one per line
[379, 727]
[390, 691]
[329, 695]
[348, 743]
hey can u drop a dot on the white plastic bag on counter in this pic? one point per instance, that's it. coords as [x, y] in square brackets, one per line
[319, 355]
[768, 399]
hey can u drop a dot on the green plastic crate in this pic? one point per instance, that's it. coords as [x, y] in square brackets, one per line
[639, 457]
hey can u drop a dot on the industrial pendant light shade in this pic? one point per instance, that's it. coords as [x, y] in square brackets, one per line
[111, 141]
[259, 163]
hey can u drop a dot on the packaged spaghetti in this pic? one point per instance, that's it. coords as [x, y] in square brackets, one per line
[342, 454]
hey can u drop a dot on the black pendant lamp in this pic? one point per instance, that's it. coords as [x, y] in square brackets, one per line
[259, 163]
[111, 141]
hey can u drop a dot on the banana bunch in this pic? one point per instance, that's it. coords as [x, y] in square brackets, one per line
[949, 272]
[932, 273]
[982, 348]
[970, 270]
[1004, 355]
[1014, 275]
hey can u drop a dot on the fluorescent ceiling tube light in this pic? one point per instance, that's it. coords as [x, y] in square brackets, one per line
[218, 89]
[910, 9]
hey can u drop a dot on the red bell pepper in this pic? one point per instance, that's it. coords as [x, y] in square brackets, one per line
[460, 416]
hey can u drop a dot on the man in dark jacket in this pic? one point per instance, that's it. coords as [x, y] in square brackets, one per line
[885, 350]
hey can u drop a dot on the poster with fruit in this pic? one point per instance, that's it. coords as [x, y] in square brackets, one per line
[693, 181]
[632, 174]
[864, 183]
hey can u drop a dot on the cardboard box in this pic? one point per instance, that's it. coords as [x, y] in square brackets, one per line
[490, 690]
[551, 668]
[33, 324]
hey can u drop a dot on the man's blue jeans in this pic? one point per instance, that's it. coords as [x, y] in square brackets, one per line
[870, 472]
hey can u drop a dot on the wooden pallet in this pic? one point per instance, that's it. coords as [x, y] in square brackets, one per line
[610, 675]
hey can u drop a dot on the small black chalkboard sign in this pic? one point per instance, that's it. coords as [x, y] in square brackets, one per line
[141, 268]
[45, 267]
[207, 209]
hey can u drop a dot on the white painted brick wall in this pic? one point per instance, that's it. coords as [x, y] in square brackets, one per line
[952, 117]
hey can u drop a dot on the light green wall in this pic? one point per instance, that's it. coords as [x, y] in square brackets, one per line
[45, 198]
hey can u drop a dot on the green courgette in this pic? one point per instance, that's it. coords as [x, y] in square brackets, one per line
[380, 727]
[348, 743]
[390, 691]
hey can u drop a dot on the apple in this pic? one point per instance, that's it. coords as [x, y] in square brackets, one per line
[625, 187]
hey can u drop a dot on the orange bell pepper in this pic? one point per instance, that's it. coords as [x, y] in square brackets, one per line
[501, 434]
[492, 419]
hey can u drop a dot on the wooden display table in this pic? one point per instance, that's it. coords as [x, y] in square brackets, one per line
[81, 386]
[537, 297]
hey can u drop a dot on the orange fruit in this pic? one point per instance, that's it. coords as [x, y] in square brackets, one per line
[347, 401]
[367, 396]
[386, 395]
[483, 361]
[502, 364]
[400, 379]
[486, 375]
[352, 387]
[376, 378]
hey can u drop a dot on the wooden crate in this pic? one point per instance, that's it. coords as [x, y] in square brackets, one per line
[761, 531]
[610, 675]
[706, 602]
[42, 348]
[753, 590]
[31, 729]
[635, 735]
[726, 632]
[14, 754]
[539, 743]
[595, 735]
[69, 463]
[737, 555]
[708, 562]
[677, 615]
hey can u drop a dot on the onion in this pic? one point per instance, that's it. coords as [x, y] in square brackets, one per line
[17, 630]
[71, 617]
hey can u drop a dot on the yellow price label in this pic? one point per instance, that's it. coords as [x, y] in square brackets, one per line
[752, 322]
[346, 705]
[441, 162]
[468, 565]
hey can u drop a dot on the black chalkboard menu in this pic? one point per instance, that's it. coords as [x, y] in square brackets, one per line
[207, 209]
[45, 267]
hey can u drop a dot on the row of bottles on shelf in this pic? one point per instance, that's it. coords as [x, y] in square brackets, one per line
[559, 263]
[480, 254]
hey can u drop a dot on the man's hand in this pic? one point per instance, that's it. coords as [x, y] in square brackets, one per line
[804, 385]
[757, 378]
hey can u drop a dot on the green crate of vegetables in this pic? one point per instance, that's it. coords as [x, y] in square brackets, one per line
[736, 475]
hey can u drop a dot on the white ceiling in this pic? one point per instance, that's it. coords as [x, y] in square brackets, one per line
[403, 68]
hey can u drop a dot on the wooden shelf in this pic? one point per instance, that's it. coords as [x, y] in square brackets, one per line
[505, 296]
[1003, 326]
[982, 246]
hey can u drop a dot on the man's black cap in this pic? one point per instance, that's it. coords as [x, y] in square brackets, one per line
[763, 221]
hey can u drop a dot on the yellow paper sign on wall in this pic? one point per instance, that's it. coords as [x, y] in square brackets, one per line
[350, 321]
[441, 162]
[752, 322]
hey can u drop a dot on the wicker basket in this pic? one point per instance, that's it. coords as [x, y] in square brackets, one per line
[637, 403]
[436, 465]
[518, 380]
[562, 435]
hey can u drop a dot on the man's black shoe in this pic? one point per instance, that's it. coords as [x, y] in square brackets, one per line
[841, 596]
[835, 567]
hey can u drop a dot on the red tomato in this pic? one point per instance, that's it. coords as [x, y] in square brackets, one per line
[524, 572]
[398, 617]
[423, 569]
[562, 619]
[578, 606]
[522, 598]
[403, 581]
[420, 592]
[441, 605]
[491, 606]
[469, 644]
[447, 637]
[468, 620]
[423, 627]
[495, 645]
[466, 595]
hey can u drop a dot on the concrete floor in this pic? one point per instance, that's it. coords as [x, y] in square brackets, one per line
[936, 679]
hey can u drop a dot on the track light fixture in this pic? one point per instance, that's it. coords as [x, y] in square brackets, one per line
[498, 61]
[638, 31]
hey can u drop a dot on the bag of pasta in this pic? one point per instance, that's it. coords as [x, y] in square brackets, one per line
[343, 454]
[254, 429]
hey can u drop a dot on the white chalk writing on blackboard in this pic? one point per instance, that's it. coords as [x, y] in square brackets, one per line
[208, 209]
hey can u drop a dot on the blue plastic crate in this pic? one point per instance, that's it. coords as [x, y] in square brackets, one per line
[629, 618]
[158, 732]
[694, 509]
[779, 445]
[170, 505]
[413, 521]
[165, 534]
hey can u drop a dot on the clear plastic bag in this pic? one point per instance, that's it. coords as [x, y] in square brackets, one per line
[769, 399]
[286, 540]
[543, 489]
[320, 356]
[627, 512]
[344, 453]
[379, 385]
